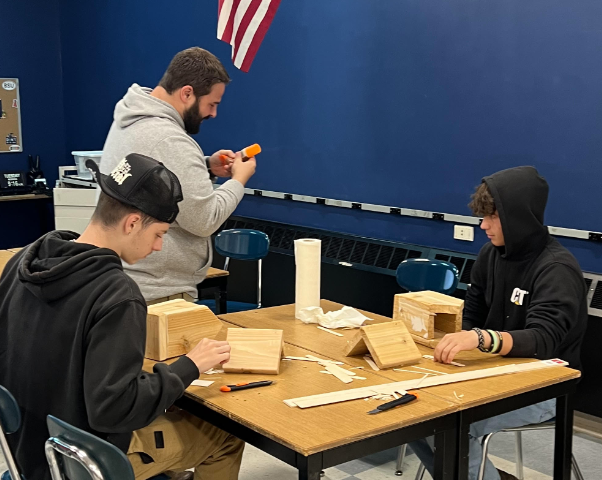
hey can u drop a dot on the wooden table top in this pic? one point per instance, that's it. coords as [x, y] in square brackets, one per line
[311, 430]
[216, 272]
[27, 196]
[464, 394]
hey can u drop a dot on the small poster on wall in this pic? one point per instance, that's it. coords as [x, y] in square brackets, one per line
[10, 117]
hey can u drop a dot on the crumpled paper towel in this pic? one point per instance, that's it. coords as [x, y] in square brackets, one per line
[345, 317]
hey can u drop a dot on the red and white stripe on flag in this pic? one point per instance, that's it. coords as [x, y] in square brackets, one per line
[243, 24]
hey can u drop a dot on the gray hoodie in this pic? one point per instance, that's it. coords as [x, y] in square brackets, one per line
[147, 125]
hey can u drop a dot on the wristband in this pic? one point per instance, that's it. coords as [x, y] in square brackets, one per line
[495, 341]
[481, 339]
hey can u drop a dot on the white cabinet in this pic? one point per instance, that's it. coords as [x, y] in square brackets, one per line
[73, 208]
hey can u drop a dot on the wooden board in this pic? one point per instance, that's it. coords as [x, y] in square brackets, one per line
[429, 342]
[425, 312]
[390, 344]
[174, 327]
[254, 351]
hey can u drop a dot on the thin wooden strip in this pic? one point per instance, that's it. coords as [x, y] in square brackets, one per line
[343, 377]
[371, 363]
[430, 357]
[330, 331]
[429, 370]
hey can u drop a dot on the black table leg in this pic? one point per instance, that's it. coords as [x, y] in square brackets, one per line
[222, 306]
[445, 455]
[563, 442]
[462, 446]
[309, 467]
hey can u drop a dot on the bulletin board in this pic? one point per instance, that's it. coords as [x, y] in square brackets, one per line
[10, 118]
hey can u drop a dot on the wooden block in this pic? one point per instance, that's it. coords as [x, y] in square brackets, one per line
[390, 344]
[424, 313]
[254, 351]
[429, 342]
[174, 327]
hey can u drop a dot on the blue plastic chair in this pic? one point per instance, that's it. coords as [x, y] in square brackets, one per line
[419, 274]
[10, 422]
[85, 456]
[244, 244]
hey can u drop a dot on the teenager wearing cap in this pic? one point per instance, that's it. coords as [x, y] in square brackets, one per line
[527, 298]
[158, 122]
[73, 334]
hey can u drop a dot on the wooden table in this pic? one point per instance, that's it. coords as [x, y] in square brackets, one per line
[5, 256]
[314, 439]
[474, 400]
[217, 280]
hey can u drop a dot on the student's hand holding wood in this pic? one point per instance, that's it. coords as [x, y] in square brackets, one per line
[453, 343]
[209, 353]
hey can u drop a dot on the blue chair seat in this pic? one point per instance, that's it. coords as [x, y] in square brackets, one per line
[243, 244]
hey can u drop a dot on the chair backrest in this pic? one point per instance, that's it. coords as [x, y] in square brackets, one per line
[10, 421]
[242, 244]
[10, 415]
[79, 447]
[418, 274]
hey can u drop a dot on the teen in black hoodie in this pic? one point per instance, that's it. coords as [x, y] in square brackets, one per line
[524, 285]
[73, 324]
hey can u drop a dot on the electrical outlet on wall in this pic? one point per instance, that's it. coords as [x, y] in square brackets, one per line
[464, 232]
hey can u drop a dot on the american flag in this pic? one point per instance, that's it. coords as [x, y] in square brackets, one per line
[243, 24]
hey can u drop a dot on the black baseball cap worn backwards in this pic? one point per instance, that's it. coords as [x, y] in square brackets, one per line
[143, 183]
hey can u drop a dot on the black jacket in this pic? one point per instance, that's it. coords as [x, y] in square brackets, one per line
[533, 287]
[72, 341]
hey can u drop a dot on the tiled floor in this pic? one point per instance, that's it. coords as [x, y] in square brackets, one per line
[538, 457]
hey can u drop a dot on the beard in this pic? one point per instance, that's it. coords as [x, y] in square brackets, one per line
[192, 118]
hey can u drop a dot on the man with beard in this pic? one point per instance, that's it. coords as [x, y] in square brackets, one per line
[158, 122]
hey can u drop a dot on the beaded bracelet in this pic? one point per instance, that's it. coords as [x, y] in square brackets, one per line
[495, 342]
[481, 339]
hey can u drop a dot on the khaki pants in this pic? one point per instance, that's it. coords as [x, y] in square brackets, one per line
[186, 441]
[185, 296]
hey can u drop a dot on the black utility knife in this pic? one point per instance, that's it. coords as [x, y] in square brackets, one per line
[407, 398]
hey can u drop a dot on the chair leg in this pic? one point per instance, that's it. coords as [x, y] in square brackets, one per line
[576, 469]
[420, 472]
[485, 447]
[259, 264]
[55, 471]
[401, 453]
[10, 462]
[519, 456]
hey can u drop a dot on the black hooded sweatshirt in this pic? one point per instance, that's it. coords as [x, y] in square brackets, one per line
[72, 341]
[532, 287]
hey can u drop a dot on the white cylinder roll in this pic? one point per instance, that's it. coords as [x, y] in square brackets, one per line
[308, 255]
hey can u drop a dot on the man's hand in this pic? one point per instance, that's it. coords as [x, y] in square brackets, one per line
[209, 353]
[219, 167]
[452, 343]
[242, 171]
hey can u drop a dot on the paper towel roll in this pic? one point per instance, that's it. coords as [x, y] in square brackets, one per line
[308, 253]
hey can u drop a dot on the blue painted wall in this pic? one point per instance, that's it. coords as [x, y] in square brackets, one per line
[31, 52]
[405, 103]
